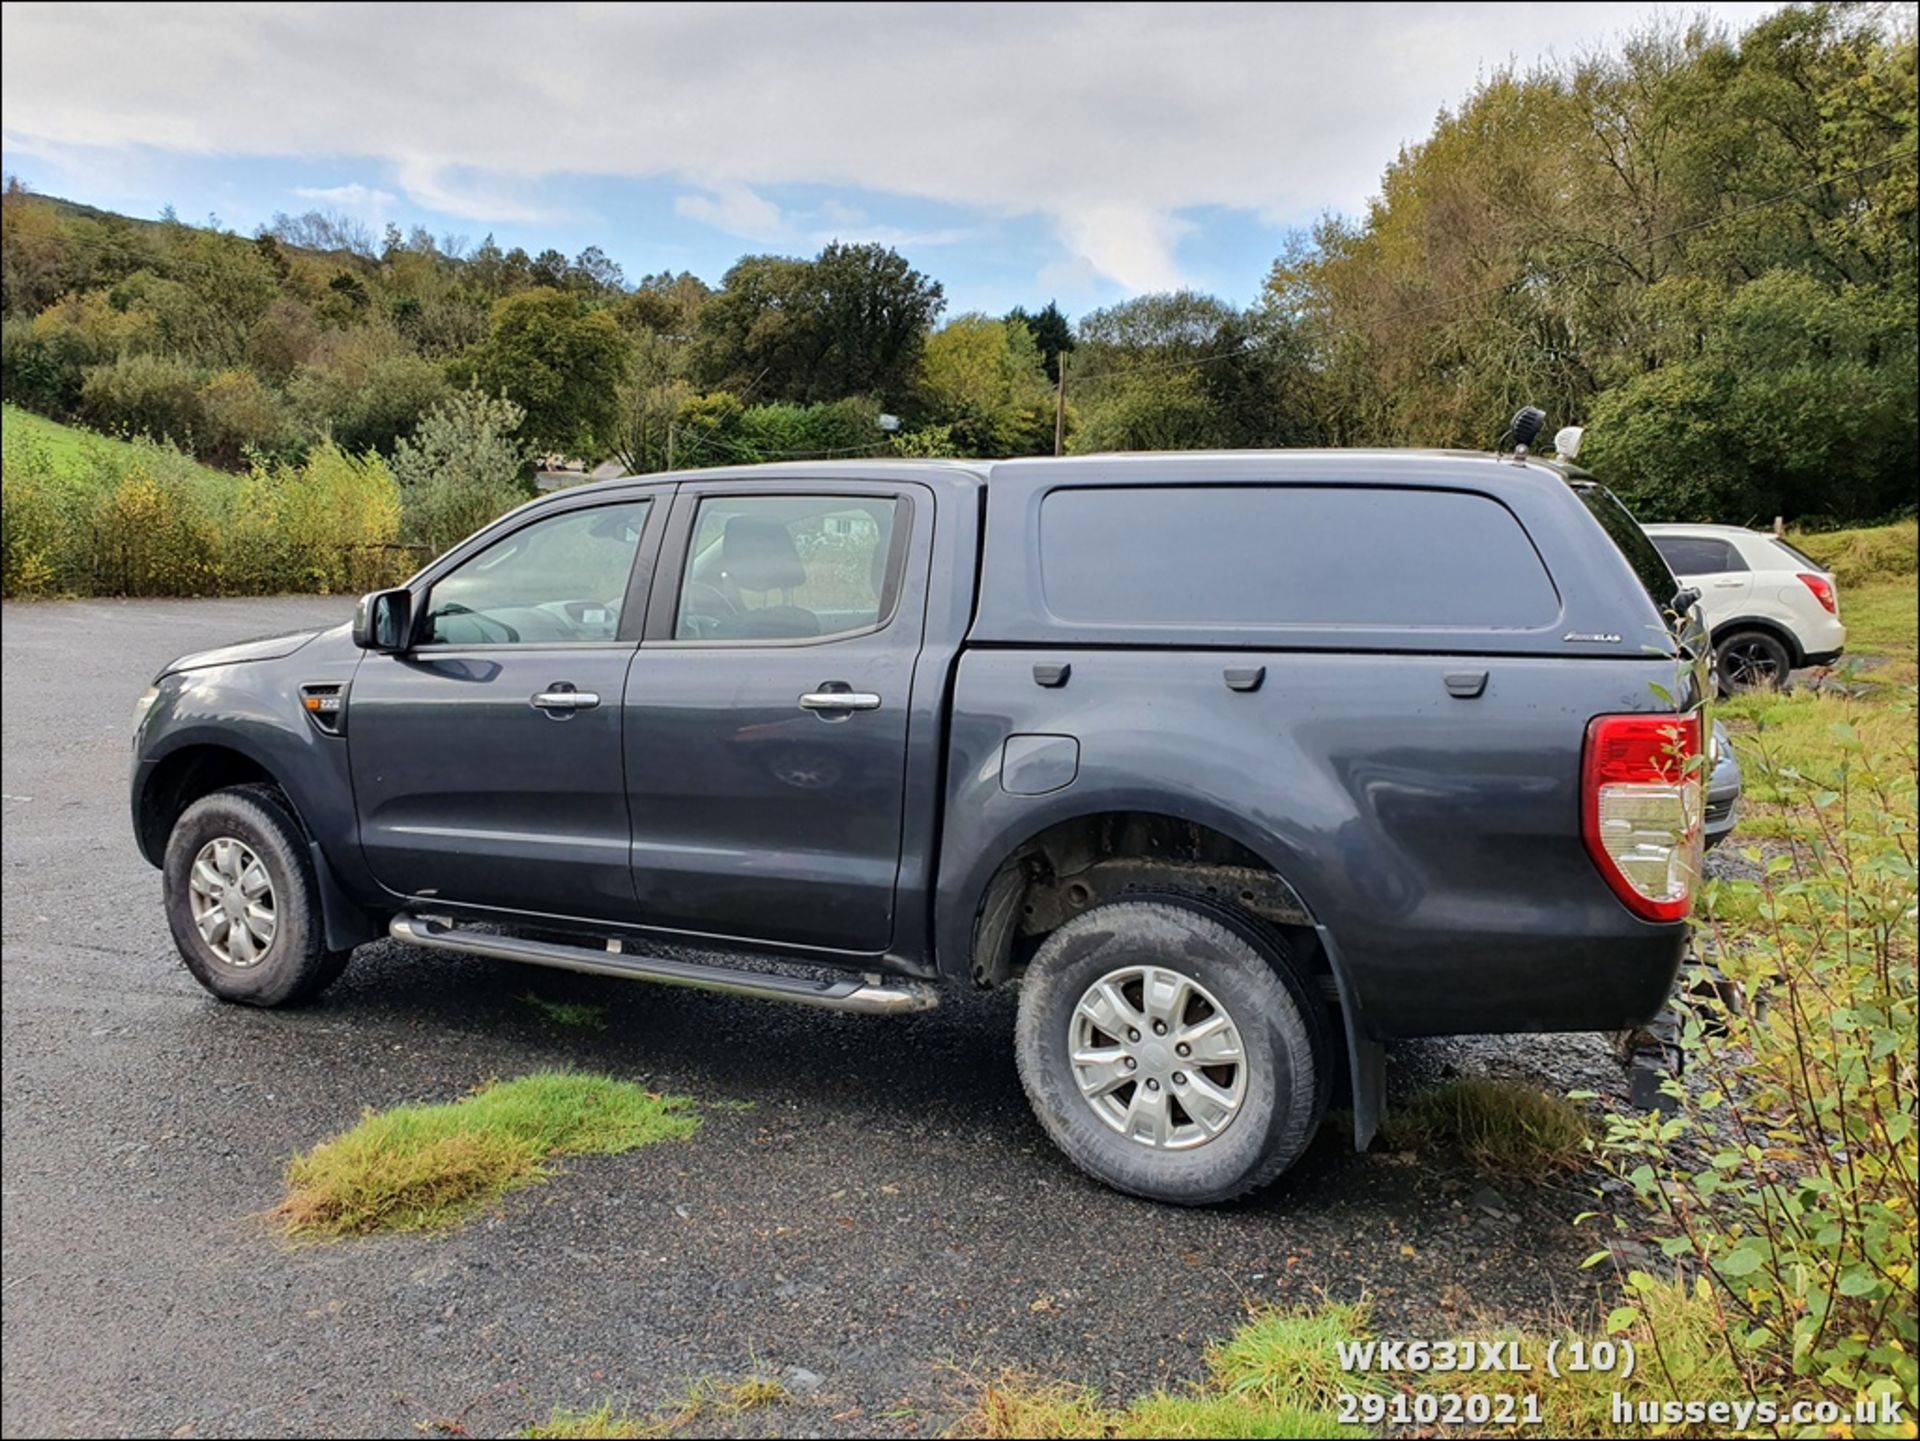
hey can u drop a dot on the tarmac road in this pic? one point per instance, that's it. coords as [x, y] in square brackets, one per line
[868, 1200]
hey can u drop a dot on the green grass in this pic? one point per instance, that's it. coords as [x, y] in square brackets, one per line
[1278, 1375]
[75, 449]
[1680, 1357]
[1860, 557]
[576, 1015]
[566, 1424]
[707, 1399]
[427, 1167]
[1499, 1126]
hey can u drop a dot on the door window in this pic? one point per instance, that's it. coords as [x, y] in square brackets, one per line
[558, 580]
[786, 567]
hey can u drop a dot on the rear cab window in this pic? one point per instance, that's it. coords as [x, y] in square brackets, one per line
[1655, 575]
[1325, 557]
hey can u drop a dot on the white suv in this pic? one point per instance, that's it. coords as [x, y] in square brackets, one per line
[1771, 609]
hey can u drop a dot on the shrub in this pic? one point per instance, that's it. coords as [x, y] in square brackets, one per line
[364, 389]
[38, 517]
[151, 535]
[240, 416]
[152, 395]
[460, 469]
[1787, 1177]
[69, 337]
[327, 525]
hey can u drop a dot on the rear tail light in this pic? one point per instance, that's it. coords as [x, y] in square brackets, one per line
[1822, 589]
[1641, 799]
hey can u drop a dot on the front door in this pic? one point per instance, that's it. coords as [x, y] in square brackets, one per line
[486, 758]
[767, 711]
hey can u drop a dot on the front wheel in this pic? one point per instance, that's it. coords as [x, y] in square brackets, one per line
[242, 901]
[1170, 1051]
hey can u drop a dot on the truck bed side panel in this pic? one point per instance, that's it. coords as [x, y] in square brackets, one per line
[1436, 837]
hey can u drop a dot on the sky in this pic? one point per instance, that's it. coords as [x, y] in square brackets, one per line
[1016, 153]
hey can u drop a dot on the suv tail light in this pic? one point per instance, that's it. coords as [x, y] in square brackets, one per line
[1822, 589]
[1641, 792]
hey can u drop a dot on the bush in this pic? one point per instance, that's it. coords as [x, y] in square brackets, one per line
[461, 469]
[151, 535]
[240, 416]
[97, 517]
[328, 525]
[364, 389]
[1788, 1180]
[157, 396]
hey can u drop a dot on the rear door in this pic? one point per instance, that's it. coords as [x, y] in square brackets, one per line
[767, 710]
[486, 757]
[1711, 566]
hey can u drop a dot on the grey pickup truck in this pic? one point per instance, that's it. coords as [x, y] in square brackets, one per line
[1236, 764]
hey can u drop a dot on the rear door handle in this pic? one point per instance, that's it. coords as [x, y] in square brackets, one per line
[839, 700]
[563, 701]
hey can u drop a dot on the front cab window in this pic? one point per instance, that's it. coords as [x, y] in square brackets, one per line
[786, 567]
[559, 580]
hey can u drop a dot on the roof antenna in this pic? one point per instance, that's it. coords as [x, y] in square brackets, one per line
[1526, 424]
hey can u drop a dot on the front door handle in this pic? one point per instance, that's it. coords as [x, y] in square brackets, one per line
[839, 700]
[559, 701]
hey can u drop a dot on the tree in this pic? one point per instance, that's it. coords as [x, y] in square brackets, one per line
[462, 467]
[874, 310]
[983, 382]
[852, 321]
[1051, 332]
[561, 361]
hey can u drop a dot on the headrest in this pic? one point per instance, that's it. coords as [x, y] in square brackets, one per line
[757, 554]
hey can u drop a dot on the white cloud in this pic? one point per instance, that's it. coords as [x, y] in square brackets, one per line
[736, 209]
[1109, 120]
[427, 185]
[354, 196]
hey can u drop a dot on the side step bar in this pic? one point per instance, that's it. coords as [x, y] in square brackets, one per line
[855, 994]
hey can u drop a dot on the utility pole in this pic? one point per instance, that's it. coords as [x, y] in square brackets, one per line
[1060, 409]
[670, 426]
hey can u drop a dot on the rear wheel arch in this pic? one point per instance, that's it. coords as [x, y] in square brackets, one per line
[1767, 627]
[1065, 867]
[1033, 892]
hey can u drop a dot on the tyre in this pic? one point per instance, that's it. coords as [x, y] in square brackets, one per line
[1172, 1051]
[242, 902]
[1751, 660]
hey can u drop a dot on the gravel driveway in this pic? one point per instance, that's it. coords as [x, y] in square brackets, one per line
[868, 1201]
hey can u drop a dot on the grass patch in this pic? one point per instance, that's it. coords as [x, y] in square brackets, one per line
[1278, 1375]
[1681, 1357]
[566, 1424]
[421, 1168]
[1872, 553]
[76, 450]
[576, 1015]
[1497, 1125]
[706, 1399]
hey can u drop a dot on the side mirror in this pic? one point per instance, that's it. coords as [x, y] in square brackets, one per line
[384, 620]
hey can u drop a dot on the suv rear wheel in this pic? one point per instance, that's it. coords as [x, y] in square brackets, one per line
[242, 902]
[1751, 660]
[1171, 1051]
